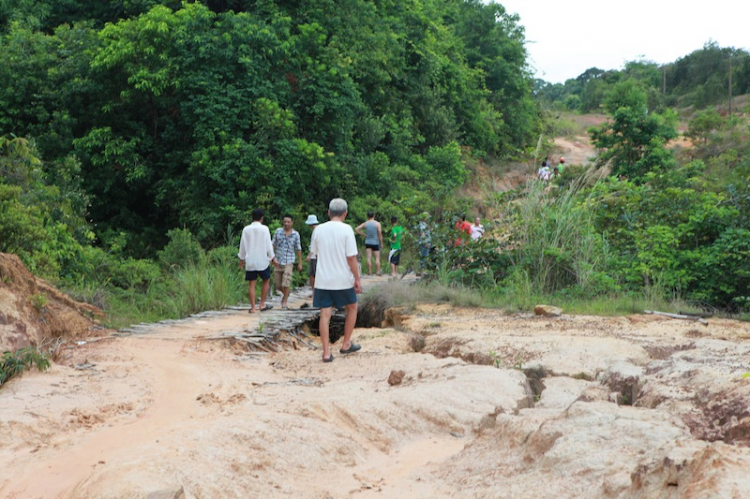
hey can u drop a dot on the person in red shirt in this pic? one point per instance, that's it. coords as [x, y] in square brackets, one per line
[465, 227]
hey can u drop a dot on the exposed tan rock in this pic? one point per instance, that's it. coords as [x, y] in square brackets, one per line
[548, 310]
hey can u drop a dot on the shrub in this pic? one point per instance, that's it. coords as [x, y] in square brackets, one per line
[13, 363]
[182, 250]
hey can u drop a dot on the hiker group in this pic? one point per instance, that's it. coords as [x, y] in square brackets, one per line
[333, 260]
[547, 172]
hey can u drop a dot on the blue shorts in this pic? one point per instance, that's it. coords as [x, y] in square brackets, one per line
[325, 298]
[252, 275]
[395, 256]
[313, 267]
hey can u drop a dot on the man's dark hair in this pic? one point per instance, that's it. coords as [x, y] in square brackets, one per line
[394, 219]
[370, 214]
[257, 214]
[288, 216]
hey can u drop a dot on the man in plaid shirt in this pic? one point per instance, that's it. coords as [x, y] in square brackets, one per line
[286, 242]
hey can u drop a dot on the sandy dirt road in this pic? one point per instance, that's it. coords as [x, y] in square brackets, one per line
[440, 402]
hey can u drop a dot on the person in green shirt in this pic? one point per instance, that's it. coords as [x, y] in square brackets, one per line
[559, 168]
[394, 256]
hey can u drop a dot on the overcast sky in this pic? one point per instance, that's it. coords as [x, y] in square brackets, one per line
[565, 38]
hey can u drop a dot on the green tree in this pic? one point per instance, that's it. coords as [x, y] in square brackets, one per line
[635, 139]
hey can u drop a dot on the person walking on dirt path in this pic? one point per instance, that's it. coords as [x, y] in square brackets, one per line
[544, 172]
[394, 256]
[312, 221]
[559, 168]
[373, 241]
[256, 254]
[337, 282]
[286, 243]
[477, 230]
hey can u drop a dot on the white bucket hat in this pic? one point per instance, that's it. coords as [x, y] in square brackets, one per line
[312, 220]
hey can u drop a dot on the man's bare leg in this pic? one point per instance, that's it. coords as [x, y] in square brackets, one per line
[377, 262]
[251, 292]
[369, 260]
[325, 320]
[284, 296]
[263, 292]
[351, 320]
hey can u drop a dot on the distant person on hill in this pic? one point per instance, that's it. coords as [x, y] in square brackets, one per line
[560, 167]
[256, 254]
[394, 257]
[544, 172]
[477, 230]
[337, 281]
[463, 227]
[373, 240]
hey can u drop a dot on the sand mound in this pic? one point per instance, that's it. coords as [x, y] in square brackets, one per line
[33, 312]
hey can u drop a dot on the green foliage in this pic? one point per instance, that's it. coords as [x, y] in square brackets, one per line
[39, 301]
[183, 250]
[698, 79]
[554, 244]
[13, 363]
[635, 140]
[674, 233]
[210, 284]
[44, 224]
[191, 114]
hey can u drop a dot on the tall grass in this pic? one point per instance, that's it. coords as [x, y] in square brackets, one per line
[554, 244]
[209, 284]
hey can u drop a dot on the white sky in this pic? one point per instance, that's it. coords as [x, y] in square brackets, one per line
[565, 38]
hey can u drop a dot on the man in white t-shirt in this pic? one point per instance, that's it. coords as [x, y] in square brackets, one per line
[477, 230]
[337, 280]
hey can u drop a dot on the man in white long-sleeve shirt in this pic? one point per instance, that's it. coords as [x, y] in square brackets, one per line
[256, 253]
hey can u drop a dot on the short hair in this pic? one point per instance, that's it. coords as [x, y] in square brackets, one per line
[337, 207]
[257, 214]
[394, 219]
[288, 216]
[370, 214]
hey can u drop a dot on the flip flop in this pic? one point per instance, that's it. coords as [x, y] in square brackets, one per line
[352, 348]
[267, 307]
[329, 359]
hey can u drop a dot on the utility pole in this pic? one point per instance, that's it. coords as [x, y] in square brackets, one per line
[730, 85]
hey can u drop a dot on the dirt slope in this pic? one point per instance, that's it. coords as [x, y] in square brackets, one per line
[34, 313]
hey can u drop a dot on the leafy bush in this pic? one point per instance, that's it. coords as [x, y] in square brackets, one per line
[13, 363]
[183, 250]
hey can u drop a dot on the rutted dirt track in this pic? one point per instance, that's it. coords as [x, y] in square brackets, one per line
[643, 406]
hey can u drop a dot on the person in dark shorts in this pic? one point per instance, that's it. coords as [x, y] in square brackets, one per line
[373, 241]
[394, 257]
[337, 280]
[256, 253]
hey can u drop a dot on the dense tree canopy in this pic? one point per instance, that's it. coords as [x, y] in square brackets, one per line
[188, 114]
[698, 79]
